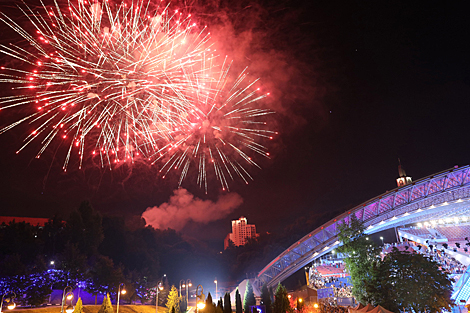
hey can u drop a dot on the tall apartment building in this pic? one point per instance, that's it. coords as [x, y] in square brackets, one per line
[241, 231]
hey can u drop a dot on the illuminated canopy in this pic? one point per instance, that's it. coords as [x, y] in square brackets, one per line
[442, 195]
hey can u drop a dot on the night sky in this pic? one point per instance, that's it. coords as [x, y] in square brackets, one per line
[356, 84]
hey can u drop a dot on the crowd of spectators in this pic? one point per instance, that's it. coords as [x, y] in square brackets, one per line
[447, 262]
[343, 292]
[317, 281]
[329, 306]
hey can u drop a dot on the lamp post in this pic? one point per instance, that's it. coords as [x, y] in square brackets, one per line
[188, 284]
[66, 295]
[159, 287]
[200, 304]
[216, 294]
[123, 291]
[10, 299]
[382, 238]
[300, 305]
[182, 280]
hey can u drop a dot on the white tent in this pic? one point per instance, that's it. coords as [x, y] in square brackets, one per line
[241, 289]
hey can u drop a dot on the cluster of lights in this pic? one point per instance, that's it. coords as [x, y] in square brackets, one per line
[444, 221]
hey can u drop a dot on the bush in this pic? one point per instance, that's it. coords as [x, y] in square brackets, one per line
[106, 307]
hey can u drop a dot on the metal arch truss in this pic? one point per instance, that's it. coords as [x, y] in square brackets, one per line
[437, 196]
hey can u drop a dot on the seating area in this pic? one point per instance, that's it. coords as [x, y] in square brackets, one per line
[455, 233]
[331, 269]
[420, 232]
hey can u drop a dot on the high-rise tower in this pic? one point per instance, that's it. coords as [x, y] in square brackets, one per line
[241, 231]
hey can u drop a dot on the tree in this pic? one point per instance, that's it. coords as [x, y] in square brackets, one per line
[84, 227]
[411, 281]
[238, 302]
[220, 306]
[361, 254]
[266, 298]
[38, 283]
[105, 277]
[249, 298]
[184, 305]
[73, 265]
[210, 307]
[227, 303]
[173, 300]
[164, 293]
[231, 244]
[106, 306]
[78, 306]
[281, 300]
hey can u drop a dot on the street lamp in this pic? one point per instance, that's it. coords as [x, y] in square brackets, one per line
[200, 299]
[188, 284]
[159, 287]
[216, 294]
[67, 295]
[182, 280]
[382, 238]
[123, 291]
[299, 304]
[10, 300]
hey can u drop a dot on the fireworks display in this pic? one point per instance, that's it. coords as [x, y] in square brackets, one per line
[127, 81]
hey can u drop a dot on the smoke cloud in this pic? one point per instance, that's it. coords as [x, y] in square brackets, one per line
[183, 207]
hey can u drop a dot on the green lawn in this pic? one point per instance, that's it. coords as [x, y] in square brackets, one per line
[95, 308]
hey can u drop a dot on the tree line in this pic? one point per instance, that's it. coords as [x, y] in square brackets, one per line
[100, 252]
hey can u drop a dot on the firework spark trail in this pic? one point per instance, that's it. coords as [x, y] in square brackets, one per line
[125, 81]
[109, 78]
[226, 127]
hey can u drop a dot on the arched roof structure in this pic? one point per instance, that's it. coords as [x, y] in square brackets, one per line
[441, 195]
